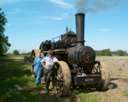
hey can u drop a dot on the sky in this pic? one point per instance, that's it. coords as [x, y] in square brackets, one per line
[32, 21]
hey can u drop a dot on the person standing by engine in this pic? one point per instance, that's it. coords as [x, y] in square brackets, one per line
[48, 63]
[37, 67]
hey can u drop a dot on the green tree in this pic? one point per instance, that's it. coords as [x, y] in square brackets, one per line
[105, 52]
[4, 44]
[120, 53]
[16, 52]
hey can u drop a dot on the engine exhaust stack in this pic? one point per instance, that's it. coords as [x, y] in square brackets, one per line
[80, 27]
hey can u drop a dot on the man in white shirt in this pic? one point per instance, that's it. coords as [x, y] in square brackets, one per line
[48, 63]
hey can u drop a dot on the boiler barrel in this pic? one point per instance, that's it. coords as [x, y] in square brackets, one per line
[81, 55]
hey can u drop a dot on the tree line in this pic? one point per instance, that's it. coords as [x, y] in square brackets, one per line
[4, 43]
[108, 52]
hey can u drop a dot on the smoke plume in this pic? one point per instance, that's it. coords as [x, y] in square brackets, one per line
[84, 6]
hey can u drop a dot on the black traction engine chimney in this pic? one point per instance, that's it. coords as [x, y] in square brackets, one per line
[80, 27]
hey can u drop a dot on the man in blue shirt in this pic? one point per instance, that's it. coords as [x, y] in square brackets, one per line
[38, 68]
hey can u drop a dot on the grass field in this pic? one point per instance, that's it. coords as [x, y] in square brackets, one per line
[17, 84]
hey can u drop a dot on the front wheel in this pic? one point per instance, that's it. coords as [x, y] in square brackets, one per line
[61, 78]
[105, 77]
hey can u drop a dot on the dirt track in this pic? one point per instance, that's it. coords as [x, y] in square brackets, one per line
[118, 88]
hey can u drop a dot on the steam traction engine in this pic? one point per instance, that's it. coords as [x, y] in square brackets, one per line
[77, 65]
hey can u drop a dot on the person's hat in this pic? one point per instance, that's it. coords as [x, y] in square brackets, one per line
[37, 51]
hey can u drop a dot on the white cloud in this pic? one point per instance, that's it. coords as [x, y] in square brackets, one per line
[55, 18]
[61, 3]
